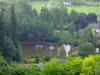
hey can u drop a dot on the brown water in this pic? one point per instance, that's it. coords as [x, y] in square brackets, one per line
[31, 49]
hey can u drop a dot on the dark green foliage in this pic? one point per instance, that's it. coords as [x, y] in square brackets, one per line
[14, 34]
[45, 15]
[2, 30]
[92, 17]
[29, 70]
[4, 67]
[60, 16]
[86, 49]
[47, 58]
[10, 52]
[14, 28]
[81, 21]
[73, 16]
[34, 13]
[37, 59]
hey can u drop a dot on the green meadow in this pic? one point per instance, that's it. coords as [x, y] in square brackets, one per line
[38, 5]
[80, 9]
[85, 9]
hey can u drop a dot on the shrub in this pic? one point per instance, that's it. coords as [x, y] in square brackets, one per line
[53, 67]
[86, 49]
[4, 67]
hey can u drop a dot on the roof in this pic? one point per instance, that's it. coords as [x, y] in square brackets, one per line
[95, 26]
[91, 3]
[67, 0]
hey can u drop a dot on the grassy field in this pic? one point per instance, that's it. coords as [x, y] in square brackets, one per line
[85, 9]
[81, 9]
[38, 5]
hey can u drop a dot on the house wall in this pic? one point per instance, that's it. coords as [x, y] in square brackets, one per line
[67, 3]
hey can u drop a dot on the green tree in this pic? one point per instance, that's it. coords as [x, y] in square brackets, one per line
[14, 27]
[73, 16]
[34, 13]
[14, 33]
[81, 21]
[53, 67]
[60, 16]
[89, 34]
[4, 67]
[86, 49]
[45, 15]
[61, 52]
[92, 17]
[9, 51]
[73, 66]
[2, 30]
[91, 65]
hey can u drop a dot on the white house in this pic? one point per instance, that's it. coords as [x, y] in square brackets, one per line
[67, 2]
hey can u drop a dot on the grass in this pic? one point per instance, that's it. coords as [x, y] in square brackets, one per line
[85, 9]
[54, 3]
[38, 5]
[81, 9]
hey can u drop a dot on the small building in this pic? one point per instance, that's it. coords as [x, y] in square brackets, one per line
[91, 3]
[67, 2]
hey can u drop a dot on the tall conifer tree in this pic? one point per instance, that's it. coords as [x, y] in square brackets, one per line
[14, 34]
[2, 30]
[14, 28]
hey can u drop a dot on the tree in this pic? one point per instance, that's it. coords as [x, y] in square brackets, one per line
[81, 21]
[2, 30]
[34, 13]
[4, 67]
[9, 51]
[92, 17]
[14, 27]
[14, 34]
[91, 65]
[45, 15]
[53, 67]
[73, 66]
[61, 52]
[89, 34]
[60, 16]
[73, 16]
[86, 49]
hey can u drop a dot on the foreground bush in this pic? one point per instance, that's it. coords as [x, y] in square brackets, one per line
[30, 70]
[4, 68]
[54, 67]
[73, 66]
